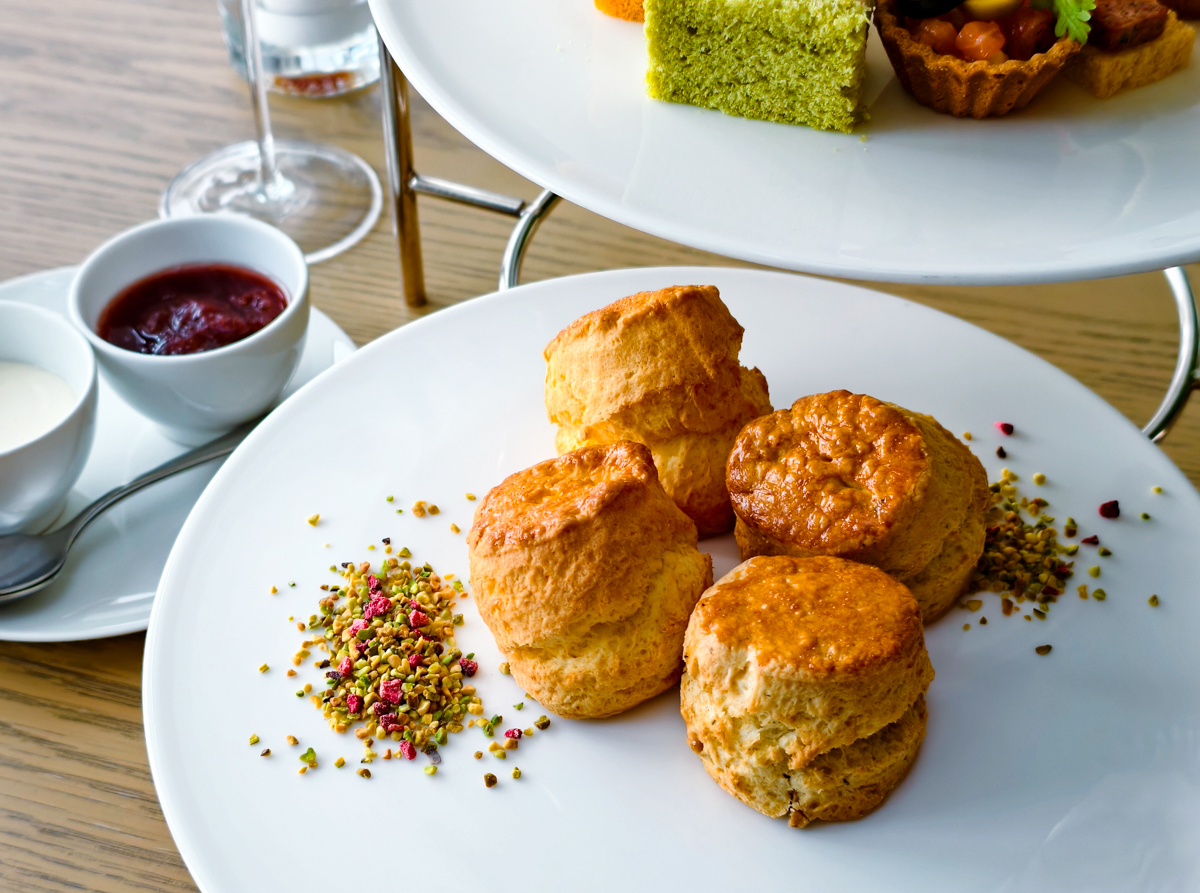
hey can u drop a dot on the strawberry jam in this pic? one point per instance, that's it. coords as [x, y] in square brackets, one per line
[190, 309]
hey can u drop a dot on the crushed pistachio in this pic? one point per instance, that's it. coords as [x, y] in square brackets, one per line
[489, 780]
[1153, 601]
[1039, 479]
[505, 669]
[273, 590]
[263, 668]
[253, 739]
[313, 519]
[1099, 595]
[1094, 571]
[266, 753]
[470, 497]
[516, 773]
[1042, 650]
[340, 762]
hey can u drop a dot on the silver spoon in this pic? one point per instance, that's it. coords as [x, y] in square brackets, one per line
[30, 562]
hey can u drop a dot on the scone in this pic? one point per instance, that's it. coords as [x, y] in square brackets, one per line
[803, 685]
[660, 368]
[848, 475]
[586, 572]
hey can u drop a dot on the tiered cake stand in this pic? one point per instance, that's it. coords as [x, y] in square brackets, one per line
[1071, 188]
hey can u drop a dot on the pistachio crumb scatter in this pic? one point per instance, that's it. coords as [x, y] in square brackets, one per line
[542, 723]
[340, 762]
[253, 740]
[454, 528]
[1153, 601]
[1000, 453]
[504, 668]
[313, 519]
[1104, 552]
[418, 508]
[967, 435]
[489, 780]
[393, 664]
[1094, 571]
[1042, 650]
[266, 752]
[273, 590]
[263, 668]
[1145, 517]
[516, 772]
[389, 499]
[1156, 489]
[470, 497]
[1039, 479]
[291, 739]
[966, 626]
[1099, 595]
[364, 772]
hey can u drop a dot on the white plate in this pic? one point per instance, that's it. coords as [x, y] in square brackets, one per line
[1070, 188]
[108, 584]
[1076, 771]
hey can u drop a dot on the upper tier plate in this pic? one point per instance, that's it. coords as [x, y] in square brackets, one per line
[1070, 188]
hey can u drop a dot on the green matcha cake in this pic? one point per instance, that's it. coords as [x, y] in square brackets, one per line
[792, 61]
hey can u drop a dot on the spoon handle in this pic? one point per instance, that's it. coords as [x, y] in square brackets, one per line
[215, 449]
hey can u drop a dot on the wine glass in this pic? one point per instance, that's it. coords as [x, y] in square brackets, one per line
[324, 197]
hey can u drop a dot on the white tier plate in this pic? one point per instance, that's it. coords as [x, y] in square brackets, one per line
[1070, 188]
[1073, 771]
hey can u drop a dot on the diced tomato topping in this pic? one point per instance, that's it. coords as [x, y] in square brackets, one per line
[1026, 29]
[938, 35]
[979, 40]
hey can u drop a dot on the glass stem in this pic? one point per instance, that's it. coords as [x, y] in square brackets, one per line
[268, 173]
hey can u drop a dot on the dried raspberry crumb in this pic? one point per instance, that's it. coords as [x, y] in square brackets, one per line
[377, 607]
[416, 619]
[1005, 427]
[373, 584]
[414, 604]
[379, 708]
[1092, 540]
[415, 660]
[388, 722]
[389, 690]
[334, 675]
[354, 703]
[346, 667]
[468, 667]
[1110, 509]
[513, 733]
[357, 626]
[406, 748]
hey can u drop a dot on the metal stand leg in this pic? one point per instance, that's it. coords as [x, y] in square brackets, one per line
[405, 184]
[1187, 367]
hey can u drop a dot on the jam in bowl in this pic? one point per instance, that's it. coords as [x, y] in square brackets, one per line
[197, 322]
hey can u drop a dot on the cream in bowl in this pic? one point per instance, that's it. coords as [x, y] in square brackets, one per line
[197, 322]
[47, 414]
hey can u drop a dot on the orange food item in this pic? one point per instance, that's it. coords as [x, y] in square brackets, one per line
[938, 34]
[630, 10]
[979, 40]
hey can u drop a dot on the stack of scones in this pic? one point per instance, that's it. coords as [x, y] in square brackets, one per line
[803, 671]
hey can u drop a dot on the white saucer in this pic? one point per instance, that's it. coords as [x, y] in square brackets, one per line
[108, 584]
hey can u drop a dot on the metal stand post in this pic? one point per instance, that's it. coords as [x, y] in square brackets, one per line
[405, 184]
[1186, 377]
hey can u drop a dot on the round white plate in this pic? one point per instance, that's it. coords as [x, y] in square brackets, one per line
[1075, 771]
[108, 584]
[1070, 188]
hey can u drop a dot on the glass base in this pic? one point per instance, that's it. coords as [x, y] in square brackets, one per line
[325, 198]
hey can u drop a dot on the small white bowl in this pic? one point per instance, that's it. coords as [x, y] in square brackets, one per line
[35, 476]
[195, 397]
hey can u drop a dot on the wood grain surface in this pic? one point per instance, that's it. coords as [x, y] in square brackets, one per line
[100, 105]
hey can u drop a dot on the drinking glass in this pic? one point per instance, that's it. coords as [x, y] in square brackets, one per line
[325, 198]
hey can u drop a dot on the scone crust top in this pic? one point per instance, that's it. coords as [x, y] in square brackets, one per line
[659, 363]
[835, 473]
[810, 618]
[549, 499]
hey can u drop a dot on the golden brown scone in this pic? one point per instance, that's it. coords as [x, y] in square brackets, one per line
[845, 474]
[660, 368]
[1105, 72]
[848, 782]
[586, 572]
[792, 667]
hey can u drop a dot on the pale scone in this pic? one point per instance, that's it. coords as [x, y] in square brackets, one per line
[803, 686]
[659, 368]
[586, 572]
[848, 475]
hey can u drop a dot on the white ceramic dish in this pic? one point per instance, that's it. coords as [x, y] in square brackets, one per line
[1075, 771]
[112, 572]
[196, 397]
[1070, 188]
[36, 476]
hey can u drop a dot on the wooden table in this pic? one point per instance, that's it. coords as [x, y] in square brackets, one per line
[100, 105]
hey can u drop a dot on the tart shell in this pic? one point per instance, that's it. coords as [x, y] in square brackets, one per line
[965, 89]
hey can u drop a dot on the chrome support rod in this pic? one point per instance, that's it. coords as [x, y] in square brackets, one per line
[1186, 377]
[466, 195]
[402, 200]
[518, 242]
[405, 184]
